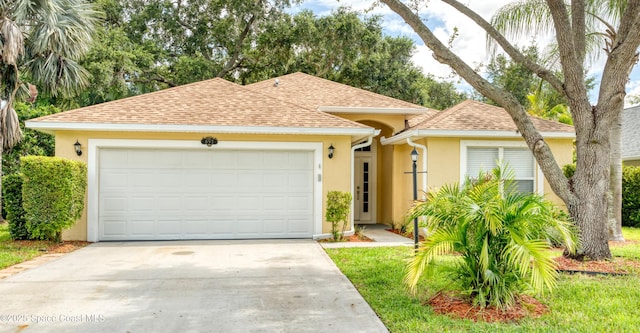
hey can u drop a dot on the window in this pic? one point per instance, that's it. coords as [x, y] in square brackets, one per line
[519, 159]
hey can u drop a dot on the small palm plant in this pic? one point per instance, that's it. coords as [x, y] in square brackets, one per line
[502, 236]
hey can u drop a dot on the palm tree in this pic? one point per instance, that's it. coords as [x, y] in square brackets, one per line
[502, 235]
[40, 41]
[532, 17]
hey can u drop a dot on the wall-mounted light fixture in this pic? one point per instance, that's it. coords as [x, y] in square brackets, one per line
[78, 148]
[209, 141]
[331, 150]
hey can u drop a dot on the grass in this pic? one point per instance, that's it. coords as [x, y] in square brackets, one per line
[12, 253]
[579, 304]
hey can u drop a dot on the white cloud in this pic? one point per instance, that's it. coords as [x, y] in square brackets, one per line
[470, 44]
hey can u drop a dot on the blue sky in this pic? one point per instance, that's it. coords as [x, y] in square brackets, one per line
[470, 43]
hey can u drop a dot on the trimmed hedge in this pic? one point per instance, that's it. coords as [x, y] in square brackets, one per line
[53, 194]
[631, 196]
[12, 201]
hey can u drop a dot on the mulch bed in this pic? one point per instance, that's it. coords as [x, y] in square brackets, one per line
[448, 303]
[457, 307]
[614, 266]
[352, 238]
[408, 234]
[51, 247]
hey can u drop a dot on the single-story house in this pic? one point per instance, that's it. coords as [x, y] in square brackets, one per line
[217, 160]
[630, 137]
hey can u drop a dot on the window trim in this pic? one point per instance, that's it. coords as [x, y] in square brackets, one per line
[538, 177]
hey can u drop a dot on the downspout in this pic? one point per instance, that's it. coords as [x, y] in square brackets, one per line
[353, 161]
[424, 164]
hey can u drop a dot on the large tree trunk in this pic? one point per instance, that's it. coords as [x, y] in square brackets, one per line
[615, 183]
[588, 208]
[586, 194]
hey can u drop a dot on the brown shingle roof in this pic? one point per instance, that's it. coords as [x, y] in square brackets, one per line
[214, 102]
[477, 116]
[313, 92]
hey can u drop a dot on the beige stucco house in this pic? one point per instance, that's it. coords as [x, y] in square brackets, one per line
[216, 160]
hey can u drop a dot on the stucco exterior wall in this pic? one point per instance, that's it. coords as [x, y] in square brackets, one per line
[632, 162]
[443, 167]
[396, 122]
[336, 172]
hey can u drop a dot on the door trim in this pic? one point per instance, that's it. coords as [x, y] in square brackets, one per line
[93, 160]
[373, 183]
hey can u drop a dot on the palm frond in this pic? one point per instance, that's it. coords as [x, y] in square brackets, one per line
[13, 42]
[58, 75]
[11, 132]
[439, 243]
[521, 19]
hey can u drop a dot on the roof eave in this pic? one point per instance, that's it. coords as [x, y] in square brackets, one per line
[372, 110]
[52, 127]
[419, 134]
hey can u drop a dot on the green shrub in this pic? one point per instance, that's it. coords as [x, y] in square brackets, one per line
[53, 194]
[569, 170]
[631, 196]
[501, 234]
[338, 207]
[12, 202]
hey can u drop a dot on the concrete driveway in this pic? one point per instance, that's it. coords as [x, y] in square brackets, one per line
[190, 286]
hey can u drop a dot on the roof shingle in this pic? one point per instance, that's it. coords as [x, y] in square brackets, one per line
[214, 102]
[313, 92]
[477, 116]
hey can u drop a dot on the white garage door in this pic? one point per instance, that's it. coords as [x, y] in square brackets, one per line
[160, 194]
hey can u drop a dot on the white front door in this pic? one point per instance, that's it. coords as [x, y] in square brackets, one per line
[364, 193]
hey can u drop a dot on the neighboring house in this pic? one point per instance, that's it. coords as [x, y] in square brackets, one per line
[631, 136]
[216, 160]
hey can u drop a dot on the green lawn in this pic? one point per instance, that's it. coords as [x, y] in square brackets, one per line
[12, 253]
[579, 304]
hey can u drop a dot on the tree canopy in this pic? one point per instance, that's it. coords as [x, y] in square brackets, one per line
[141, 48]
[585, 194]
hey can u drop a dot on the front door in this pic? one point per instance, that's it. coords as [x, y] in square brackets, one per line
[365, 188]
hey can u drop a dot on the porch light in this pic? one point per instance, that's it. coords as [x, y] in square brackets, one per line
[78, 148]
[331, 150]
[414, 159]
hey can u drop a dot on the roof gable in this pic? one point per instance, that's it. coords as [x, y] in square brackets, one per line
[476, 116]
[214, 102]
[314, 92]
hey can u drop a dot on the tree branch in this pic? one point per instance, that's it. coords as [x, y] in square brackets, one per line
[572, 67]
[155, 79]
[237, 50]
[622, 58]
[578, 28]
[511, 50]
[179, 20]
[532, 137]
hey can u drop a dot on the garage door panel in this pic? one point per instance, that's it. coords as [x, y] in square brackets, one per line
[298, 225]
[114, 227]
[204, 194]
[139, 226]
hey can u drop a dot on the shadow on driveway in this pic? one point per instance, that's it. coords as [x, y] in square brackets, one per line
[187, 286]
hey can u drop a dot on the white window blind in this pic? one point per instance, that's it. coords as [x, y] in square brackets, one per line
[481, 159]
[519, 160]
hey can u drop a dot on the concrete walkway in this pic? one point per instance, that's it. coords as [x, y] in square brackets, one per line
[380, 235]
[187, 286]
